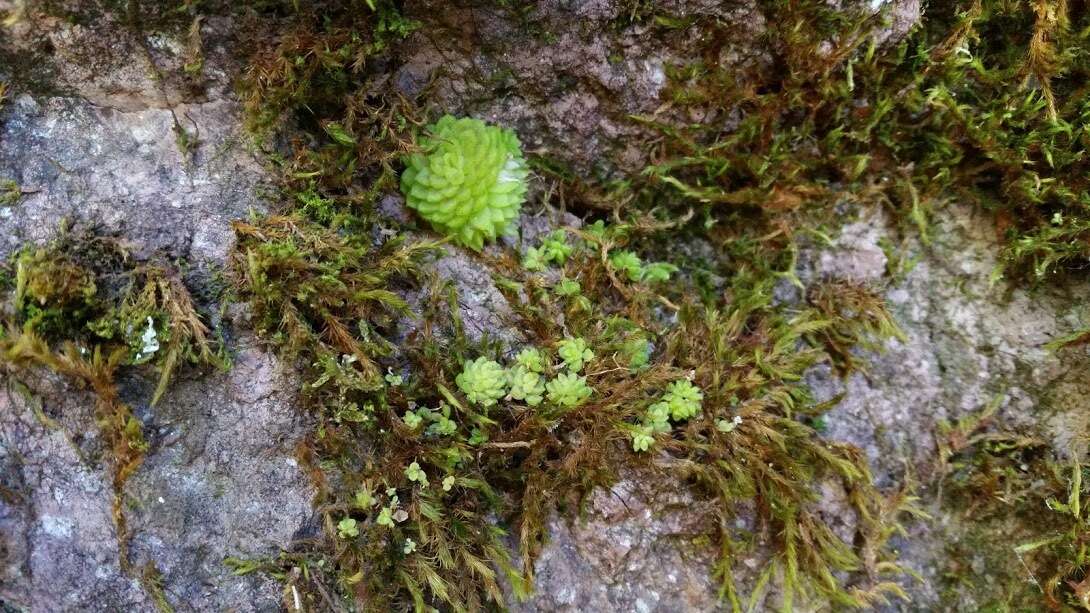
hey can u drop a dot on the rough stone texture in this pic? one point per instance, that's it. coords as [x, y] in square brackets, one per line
[97, 144]
[98, 148]
[110, 157]
[566, 74]
[967, 342]
[222, 481]
[631, 551]
[219, 480]
[61, 551]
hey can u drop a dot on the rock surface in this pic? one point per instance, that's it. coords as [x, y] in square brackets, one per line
[968, 343]
[100, 147]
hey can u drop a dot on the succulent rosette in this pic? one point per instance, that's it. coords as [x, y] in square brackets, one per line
[468, 181]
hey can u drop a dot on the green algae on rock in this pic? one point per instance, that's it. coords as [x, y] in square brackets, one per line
[469, 181]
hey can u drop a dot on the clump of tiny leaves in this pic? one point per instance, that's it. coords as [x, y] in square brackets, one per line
[468, 181]
[681, 401]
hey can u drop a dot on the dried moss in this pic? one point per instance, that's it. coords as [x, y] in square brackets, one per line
[83, 309]
[998, 481]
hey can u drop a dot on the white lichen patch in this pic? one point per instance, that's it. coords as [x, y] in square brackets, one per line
[150, 342]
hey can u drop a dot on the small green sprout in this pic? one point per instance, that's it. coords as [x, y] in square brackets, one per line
[364, 499]
[347, 528]
[534, 260]
[469, 181]
[482, 381]
[724, 425]
[596, 229]
[627, 262]
[642, 438]
[568, 390]
[567, 287]
[442, 424]
[531, 359]
[635, 270]
[448, 483]
[555, 247]
[412, 420]
[385, 517]
[657, 272]
[477, 437]
[393, 379]
[657, 418]
[410, 546]
[526, 385]
[416, 474]
[684, 399]
[574, 353]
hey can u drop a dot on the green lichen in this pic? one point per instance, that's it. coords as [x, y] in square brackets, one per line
[469, 180]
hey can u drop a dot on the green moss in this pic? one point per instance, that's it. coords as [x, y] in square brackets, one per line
[984, 103]
[434, 459]
[83, 308]
[1021, 509]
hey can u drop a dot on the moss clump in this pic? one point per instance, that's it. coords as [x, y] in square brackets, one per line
[421, 460]
[983, 103]
[469, 181]
[82, 308]
[1023, 510]
[422, 474]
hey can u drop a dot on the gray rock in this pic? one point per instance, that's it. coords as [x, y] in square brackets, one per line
[567, 75]
[61, 548]
[220, 480]
[634, 549]
[968, 342]
[98, 147]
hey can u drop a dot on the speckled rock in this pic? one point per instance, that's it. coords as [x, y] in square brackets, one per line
[567, 75]
[98, 148]
[968, 342]
[632, 550]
